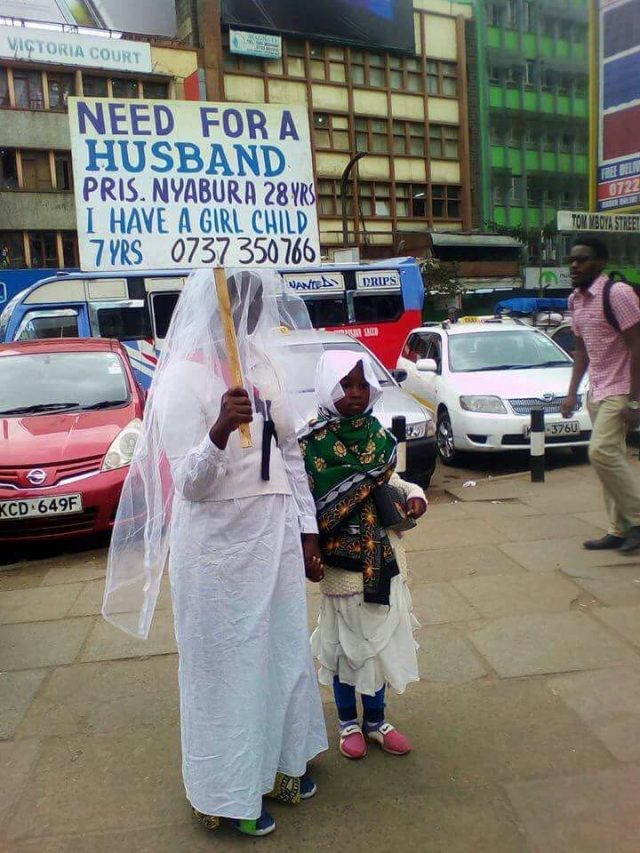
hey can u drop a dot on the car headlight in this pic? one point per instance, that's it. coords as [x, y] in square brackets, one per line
[418, 429]
[123, 446]
[487, 405]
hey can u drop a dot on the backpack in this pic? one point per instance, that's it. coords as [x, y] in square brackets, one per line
[614, 278]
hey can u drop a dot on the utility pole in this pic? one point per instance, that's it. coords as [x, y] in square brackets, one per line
[211, 55]
[344, 186]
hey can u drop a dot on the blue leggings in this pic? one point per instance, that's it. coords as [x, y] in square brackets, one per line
[345, 696]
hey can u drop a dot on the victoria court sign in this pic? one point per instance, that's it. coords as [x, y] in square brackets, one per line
[183, 184]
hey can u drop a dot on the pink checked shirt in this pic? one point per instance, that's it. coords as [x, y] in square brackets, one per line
[609, 360]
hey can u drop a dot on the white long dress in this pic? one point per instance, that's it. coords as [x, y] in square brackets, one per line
[249, 700]
[368, 645]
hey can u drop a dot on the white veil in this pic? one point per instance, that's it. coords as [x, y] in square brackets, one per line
[264, 313]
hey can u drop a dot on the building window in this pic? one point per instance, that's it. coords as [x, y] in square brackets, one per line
[64, 175]
[515, 189]
[43, 249]
[445, 201]
[530, 73]
[411, 201]
[494, 74]
[154, 90]
[546, 79]
[533, 193]
[511, 77]
[529, 17]
[368, 69]
[294, 54]
[498, 194]
[4, 88]
[444, 141]
[548, 26]
[564, 84]
[8, 169]
[28, 88]
[331, 132]
[405, 73]
[496, 135]
[409, 138]
[495, 14]
[70, 257]
[566, 142]
[565, 30]
[377, 70]
[442, 78]
[36, 170]
[317, 62]
[372, 135]
[374, 198]
[580, 145]
[60, 87]
[511, 15]
[12, 250]
[329, 198]
[95, 87]
[124, 88]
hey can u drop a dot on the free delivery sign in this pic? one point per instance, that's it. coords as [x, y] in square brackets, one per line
[182, 184]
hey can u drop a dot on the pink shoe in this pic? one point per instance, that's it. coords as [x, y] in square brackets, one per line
[390, 739]
[352, 742]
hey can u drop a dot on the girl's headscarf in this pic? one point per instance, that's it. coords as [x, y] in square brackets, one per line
[332, 368]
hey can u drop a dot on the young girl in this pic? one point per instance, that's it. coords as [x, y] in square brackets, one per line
[364, 639]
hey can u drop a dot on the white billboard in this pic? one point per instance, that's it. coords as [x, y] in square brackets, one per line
[151, 17]
[183, 184]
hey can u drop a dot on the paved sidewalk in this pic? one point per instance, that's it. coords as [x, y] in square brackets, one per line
[526, 724]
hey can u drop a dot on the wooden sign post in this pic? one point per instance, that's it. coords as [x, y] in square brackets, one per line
[231, 341]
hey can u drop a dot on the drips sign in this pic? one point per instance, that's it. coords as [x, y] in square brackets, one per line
[180, 184]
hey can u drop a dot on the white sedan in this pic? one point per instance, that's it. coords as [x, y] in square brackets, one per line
[481, 382]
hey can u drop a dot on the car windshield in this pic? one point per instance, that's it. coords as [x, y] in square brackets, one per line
[516, 349]
[306, 356]
[61, 381]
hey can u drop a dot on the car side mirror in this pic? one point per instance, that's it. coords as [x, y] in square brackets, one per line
[427, 365]
[399, 375]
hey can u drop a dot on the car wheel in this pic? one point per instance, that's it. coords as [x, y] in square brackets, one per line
[444, 436]
[580, 454]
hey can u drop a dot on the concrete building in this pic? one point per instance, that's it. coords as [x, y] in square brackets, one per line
[529, 111]
[37, 213]
[407, 113]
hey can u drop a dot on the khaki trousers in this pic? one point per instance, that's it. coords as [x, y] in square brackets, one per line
[608, 455]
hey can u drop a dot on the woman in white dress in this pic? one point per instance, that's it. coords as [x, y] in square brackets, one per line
[232, 520]
[364, 639]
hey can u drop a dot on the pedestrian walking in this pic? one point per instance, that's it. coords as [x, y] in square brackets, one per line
[606, 322]
[231, 521]
[364, 639]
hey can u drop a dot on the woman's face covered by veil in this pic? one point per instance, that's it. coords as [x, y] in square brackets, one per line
[246, 295]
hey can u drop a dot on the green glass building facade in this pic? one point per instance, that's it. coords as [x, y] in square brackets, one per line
[530, 134]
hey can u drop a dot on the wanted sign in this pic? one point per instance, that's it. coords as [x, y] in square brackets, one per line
[184, 184]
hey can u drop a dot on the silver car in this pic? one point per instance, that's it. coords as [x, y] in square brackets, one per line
[421, 441]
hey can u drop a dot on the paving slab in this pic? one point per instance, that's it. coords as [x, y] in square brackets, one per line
[594, 812]
[446, 657]
[107, 697]
[22, 577]
[617, 592]
[89, 602]
[597, 517]
[77, 570]
[17, 761]
[494, 509]
[577, 499]
[99, 783]
[485, 732]
[40, 644]
[17, 691]
[37, 605]
[109, 643]
[437, 603]
[524, 593]
[525, 529]
[535, 644]
[546, 555]
[623, 620]
[451, 563]
[427, 537]
[500, 489]
[457, 822]
[608, 701]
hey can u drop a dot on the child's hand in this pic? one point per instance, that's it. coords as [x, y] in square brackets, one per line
[416, 508]
[313, 566]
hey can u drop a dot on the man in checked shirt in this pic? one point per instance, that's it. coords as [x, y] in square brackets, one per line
[610, 349]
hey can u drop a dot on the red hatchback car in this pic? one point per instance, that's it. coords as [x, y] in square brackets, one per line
[70, 415]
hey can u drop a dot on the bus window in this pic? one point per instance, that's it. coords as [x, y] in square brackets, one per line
[123, 322]
[48, 324]
[379, 308]
[327, 312]
[162, 308]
